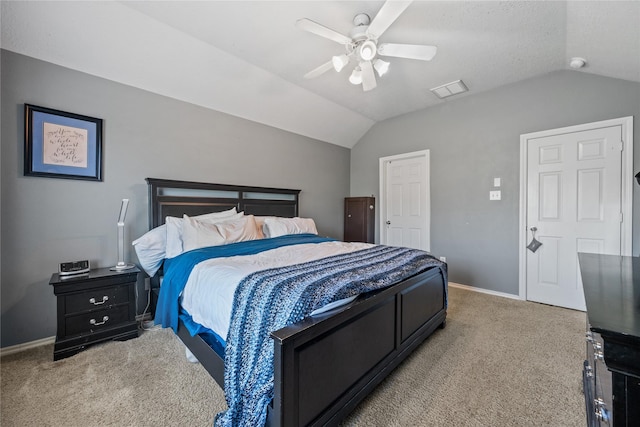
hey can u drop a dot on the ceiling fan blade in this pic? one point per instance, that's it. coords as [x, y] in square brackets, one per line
[322, 31]
[410, 51]
[387, 14]
[320, 70]
[368, 77]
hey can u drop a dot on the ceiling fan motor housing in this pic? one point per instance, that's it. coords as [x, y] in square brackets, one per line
[361, 19]
[359, 34]
[363, 45]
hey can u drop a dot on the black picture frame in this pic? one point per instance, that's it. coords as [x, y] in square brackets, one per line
[58, 144]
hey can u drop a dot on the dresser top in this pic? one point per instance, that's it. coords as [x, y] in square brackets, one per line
[612, 293]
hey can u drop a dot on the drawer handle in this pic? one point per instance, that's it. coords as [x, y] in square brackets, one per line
[588, 371]
[589, 337]
[104, 299]
[597, 351]
[104, 320]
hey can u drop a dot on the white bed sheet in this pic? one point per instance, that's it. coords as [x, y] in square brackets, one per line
[208, 293]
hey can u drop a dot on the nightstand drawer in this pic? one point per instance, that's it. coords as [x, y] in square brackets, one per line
[98, 298]
[96, 320]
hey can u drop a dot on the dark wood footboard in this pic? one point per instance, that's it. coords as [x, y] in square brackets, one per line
[325, 365]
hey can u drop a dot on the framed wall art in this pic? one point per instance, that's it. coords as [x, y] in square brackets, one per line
[58, 144]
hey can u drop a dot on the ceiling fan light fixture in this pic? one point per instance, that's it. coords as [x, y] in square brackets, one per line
[367, 50]
[381, 67]
[339, 62]
[362, 47]
[356, 76]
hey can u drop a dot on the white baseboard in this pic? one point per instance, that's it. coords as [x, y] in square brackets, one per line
[485, 291]
[51, 340]
[26, 346]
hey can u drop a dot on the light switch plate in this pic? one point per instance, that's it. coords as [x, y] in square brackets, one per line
[495, 195]
[497, 182]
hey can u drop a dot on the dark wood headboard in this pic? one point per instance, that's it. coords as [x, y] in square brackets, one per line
[175, 198]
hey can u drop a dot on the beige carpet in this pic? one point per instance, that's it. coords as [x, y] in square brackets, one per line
[499, 362]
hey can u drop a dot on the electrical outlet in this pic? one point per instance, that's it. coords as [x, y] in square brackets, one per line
[495, 195]
[443, 258]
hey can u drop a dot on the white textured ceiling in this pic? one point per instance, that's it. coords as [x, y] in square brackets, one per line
[248, 59]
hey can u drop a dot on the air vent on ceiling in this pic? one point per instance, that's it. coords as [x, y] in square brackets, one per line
[449, 89]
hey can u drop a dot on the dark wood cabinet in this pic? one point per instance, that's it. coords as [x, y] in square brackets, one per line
[359, 217]
[94, 307]
[611, 372]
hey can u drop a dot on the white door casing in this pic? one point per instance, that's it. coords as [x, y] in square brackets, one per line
[576, 190]
[405, 200]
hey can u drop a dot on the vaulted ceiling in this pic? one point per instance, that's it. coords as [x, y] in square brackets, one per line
[247, 58]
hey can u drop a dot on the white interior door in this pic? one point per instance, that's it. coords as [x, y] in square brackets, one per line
[405, 205]
[574, 201]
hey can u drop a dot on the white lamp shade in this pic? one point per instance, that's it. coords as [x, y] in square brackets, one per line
[339, 62]
[368, 50]
[381, 67]
[356, 76]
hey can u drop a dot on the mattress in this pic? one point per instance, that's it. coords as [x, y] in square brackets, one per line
[209, 292]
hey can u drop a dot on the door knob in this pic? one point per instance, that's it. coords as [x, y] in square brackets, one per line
[388, 222]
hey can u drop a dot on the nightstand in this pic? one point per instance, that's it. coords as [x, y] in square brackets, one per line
[94, 307]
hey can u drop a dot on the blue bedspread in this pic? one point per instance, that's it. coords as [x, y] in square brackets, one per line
[177, 270]
[268, 300]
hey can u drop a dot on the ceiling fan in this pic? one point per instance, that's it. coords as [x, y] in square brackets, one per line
[362, 45]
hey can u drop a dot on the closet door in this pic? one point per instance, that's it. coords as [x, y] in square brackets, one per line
[359, 216]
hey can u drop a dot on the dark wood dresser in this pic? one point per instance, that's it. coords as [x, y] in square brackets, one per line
[611, 374]
[94, 307]
[359, 217]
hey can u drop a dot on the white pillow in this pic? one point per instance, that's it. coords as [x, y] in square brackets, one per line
[276, 226]
[174, 229]
[200, 234]
[151, 249]
[260, 224]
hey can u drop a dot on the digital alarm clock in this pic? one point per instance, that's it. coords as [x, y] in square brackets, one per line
[73, 267]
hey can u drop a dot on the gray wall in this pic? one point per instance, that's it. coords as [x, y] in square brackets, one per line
[46, 221]
[476, 138]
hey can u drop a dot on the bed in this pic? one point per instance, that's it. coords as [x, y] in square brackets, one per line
[323, 365]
